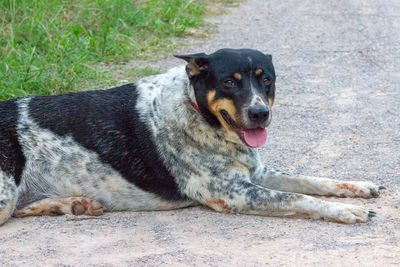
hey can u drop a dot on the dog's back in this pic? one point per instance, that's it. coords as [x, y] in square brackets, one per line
[93, 143]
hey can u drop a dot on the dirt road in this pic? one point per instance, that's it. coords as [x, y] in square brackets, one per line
[336, 115]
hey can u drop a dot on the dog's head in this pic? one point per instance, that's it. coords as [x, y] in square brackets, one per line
[234, 89]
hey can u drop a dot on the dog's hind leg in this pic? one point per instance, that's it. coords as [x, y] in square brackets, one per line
[61, 206]
[8, 197]
[281, 181]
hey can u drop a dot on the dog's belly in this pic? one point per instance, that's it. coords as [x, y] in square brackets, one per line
[60, 167]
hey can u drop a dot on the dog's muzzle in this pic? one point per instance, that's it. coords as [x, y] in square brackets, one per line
[258, 114]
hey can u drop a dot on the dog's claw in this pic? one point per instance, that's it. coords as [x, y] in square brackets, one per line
[374, 193]
[371, 213]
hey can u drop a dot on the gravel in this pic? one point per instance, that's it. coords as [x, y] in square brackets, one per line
[336, 115]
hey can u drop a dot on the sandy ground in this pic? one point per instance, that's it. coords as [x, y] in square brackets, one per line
[336, 115]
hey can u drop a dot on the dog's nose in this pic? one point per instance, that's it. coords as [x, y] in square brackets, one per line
[258, 114]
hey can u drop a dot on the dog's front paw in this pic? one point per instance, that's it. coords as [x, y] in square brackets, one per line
[333, 211]
[346, 213]
[358, 189]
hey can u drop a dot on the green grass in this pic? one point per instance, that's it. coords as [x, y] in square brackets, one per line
[55, 46]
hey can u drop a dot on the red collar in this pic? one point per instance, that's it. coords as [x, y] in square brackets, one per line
[194, 105]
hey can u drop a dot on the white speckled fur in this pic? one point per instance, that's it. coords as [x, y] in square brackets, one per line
[48, 174]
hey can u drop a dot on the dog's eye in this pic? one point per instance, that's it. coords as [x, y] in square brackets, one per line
[267, 81]
[229, 83]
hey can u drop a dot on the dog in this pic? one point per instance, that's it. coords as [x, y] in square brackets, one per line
[186, 137]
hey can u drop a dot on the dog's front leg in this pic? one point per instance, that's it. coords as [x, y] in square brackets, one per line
[248, 198]
[277, 180]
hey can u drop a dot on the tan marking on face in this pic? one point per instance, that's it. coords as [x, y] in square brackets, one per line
[237, 76]
[259, 71]
[218, 205]
[216, 106]
[270, 102]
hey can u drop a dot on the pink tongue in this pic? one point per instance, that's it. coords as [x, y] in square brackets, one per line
[255, 137]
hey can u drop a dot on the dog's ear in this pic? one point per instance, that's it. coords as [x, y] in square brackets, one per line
[269, 56]
[196, 63]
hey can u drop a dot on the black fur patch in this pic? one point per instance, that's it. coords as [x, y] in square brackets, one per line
[105, 121]
[224, 65]
[12, 160]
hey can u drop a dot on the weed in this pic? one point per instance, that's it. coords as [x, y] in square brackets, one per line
[54, 46]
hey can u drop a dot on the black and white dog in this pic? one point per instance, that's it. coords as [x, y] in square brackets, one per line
[182, 138]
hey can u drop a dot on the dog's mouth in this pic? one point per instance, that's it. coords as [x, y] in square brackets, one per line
[253, 137]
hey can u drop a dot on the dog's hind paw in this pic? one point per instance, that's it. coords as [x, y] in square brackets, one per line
[86, 206]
